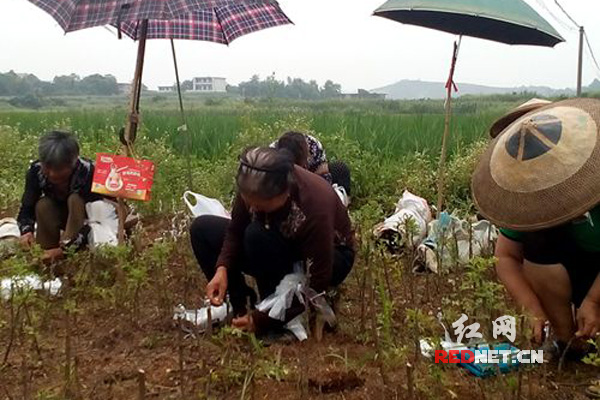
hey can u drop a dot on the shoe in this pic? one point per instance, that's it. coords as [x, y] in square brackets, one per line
[272, 337]
[554, 350]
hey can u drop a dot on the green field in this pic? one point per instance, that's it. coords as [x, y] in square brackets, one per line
[389, 145]
[115, 313]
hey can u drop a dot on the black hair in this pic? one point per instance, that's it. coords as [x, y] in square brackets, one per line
[265, 172]
[295, 143]
[58, 148]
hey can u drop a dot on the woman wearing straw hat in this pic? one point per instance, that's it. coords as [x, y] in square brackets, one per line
[539, 181]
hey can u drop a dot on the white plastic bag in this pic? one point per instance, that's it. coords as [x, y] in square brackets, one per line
[199, 317]
[341, 192]
[448, 242]
[292, 286]
[9, 229]
[409, 208]
[204, 205]
[103, 222]
[28, 282]
[289, 288]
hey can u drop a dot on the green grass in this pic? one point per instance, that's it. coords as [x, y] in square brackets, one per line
[214, 130]
[390, 146]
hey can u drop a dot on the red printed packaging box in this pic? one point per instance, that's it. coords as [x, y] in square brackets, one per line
[125, 177]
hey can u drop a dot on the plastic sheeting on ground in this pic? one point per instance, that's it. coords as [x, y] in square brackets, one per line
[451, 241]
[103, 222]
[28, 282]
[412, 213]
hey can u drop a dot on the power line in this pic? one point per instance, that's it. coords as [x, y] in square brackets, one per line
[558, 19]
[587, 40]
[566, 13]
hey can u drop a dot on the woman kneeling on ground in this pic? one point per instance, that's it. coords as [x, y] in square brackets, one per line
[57, 186]
[282, 215]
[539, 182]
[308, 152]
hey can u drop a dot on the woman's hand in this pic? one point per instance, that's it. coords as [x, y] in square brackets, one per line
[537, 325]
[53, 255]
[588, 319]
[245, 323]
[27, 240]
[217, 287]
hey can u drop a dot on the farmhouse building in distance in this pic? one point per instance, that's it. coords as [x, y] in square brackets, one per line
[209, 84]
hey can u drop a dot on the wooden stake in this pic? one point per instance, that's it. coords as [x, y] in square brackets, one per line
[136, 90]
[448, 115]
[132, 122]
[25, 377]
[209, 322]
[141, 384]
[121, 213]
[410, 381]
[68, 357]
[181, 361]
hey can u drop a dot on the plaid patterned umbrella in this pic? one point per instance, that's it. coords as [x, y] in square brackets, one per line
[219, 21]
[221, 24]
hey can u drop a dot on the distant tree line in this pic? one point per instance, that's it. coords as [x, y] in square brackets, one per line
[13, 84]
[291, 88]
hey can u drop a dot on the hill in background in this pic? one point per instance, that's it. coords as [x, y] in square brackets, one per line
[416, 89]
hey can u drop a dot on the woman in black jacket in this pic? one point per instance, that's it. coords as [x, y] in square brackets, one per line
[57, 187]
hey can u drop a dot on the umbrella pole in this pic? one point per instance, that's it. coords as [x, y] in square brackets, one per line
[136, 90]
[450, 85]
[133, 118]
[184, 126]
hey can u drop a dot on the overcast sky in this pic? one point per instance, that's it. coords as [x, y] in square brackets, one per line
[331, 39]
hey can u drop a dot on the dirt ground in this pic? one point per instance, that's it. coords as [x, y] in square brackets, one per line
[92, 340]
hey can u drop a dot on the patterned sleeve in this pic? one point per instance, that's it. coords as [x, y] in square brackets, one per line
[317, 155]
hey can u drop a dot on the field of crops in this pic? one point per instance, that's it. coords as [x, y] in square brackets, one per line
[383, 142]
[114, 316]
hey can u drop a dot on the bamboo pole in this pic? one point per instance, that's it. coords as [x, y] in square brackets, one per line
[136, 90]
[183, 127]
[131, 124]
[448, 114]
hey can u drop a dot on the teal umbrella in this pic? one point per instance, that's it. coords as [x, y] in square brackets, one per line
[505, 21]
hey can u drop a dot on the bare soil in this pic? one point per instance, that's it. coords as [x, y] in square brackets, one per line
[83, 344]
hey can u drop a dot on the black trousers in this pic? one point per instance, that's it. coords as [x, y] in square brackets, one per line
[267, 256]
[556, 246]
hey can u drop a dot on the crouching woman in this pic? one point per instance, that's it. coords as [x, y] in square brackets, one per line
[57, 186]
[282, 215]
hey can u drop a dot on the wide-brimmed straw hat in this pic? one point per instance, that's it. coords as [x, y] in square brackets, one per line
[507, 119]
[544, 169]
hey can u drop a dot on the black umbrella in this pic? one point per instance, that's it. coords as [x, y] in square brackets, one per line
[505, 21]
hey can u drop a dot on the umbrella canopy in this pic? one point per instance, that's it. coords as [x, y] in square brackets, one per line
[220, 24]
[219, 21]
[73, 15]
[505, 21]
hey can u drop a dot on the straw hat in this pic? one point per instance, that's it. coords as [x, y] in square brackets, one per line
[518, 112]
[544, 169]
